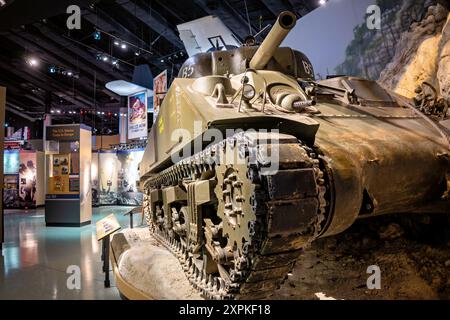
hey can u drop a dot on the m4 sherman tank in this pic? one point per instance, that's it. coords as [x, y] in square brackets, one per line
[251, 159]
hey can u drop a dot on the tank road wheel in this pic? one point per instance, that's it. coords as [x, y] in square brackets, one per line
[267, 217]
[234, 191]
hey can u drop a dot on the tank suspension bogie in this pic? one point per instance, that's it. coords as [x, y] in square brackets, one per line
[239, 233]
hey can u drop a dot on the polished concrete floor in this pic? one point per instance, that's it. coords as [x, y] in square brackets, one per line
[35, 258]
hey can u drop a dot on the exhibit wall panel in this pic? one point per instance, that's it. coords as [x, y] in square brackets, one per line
[94, 178]
[11, 161]
[108, 175]
[127, 185]
[119, 176]
[27, 179]
[24, 179]
[11, 191]
[85, 157]
[40, 179]
[2, 138]
[104, 142]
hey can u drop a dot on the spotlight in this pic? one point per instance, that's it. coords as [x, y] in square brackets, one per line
[52, 69]
[105, 58]
[123, 46]
[162, 60]
[97, 35]
[116, 43]
[52, 111]
[137, 53]
[69, 73]
[114, 62]
[115, 114]
[32, 62]
[322, 2]
[58, 111]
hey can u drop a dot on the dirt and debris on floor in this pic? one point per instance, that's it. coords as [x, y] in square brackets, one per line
[413, 255]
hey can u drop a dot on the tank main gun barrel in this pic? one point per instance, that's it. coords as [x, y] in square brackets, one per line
[285, 22]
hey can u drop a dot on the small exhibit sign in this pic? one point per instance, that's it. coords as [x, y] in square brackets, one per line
[107, 226]
[63, 133]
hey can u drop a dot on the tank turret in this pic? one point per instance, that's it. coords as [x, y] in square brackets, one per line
[268, 56]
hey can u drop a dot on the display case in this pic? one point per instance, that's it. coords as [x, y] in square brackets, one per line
[69, 197]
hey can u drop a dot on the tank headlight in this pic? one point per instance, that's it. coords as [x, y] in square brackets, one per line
[248, 92]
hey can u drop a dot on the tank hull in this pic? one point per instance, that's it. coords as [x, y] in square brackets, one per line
[395, 156]
[395, 162]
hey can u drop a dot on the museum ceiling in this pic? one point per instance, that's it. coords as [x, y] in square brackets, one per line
[44, 65]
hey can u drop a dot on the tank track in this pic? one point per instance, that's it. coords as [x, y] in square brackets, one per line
[261, 264]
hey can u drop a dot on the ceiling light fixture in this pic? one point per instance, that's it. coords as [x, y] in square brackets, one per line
[97, 35]
[32, 62]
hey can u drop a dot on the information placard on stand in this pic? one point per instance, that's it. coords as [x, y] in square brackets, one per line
[105, 228]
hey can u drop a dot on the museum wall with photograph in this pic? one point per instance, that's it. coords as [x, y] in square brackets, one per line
[24, 178]
[118, 177]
